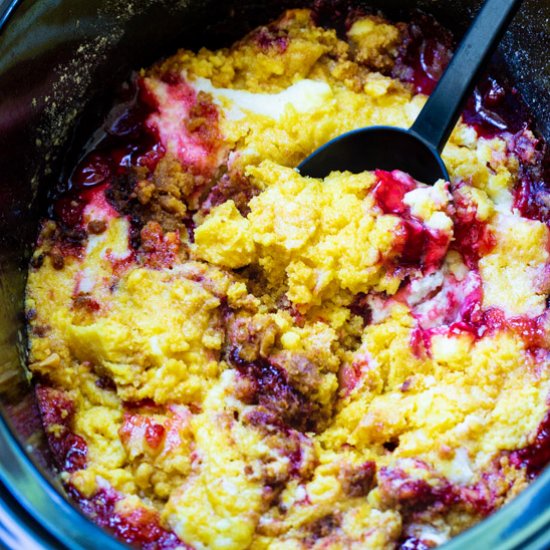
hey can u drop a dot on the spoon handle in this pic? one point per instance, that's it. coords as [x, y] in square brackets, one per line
[438, 117]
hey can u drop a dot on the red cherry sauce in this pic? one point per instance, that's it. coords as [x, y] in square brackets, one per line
[424, 53]
[140, 528]
[266, 420]
[187, 122]
[535, 456]
[497, 110]
[70, 208]
[361, 308]
[127, 143]
[417, 245]
[413, 495]
[532, 192]
[57, 410]
[530, 329]
[468, 317]
[494, 109]
[472, 238]
[412, 543]
[267, 386]
[457, 305]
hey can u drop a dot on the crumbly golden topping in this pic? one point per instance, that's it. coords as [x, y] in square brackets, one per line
[286, 362]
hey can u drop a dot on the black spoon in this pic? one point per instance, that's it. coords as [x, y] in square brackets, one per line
[417, 150]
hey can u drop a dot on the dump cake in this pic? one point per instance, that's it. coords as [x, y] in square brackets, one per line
[230, 355]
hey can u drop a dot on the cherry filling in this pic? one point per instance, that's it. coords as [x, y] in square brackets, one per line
[410, 495]
[360, 307]
[266, 385]
[187, 121]
[424, 54]
[532, 193]
[493, 110]
[141, 527]
[57, 410]
[127, 143]
[461, 312]
[416, 244]
[472, 238]
[391, 189]
[70, 208]
[536, 456]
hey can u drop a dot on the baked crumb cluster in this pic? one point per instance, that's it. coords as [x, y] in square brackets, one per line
[229, 355]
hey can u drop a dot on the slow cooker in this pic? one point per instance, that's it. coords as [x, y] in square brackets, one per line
[60, 61]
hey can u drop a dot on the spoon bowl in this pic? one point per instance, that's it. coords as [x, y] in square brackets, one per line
[377, 147]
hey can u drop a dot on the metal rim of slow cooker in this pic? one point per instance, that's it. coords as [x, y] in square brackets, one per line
[33, 513]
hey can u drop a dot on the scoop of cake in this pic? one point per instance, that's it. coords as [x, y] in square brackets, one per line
[320, 238]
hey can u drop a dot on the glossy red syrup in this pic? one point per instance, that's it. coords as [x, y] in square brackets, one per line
[127, 143]
[415, 494]
[140, 528]
[473, 239]
[532, 193]
[70, 208]
[187, 122]
[468, 317]
[268, 387]
[128, 140]
[360, 307]
[391, 189]
[495, 109]
[424, 54]
[69, 450]
[416, 244]
[535, 456]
